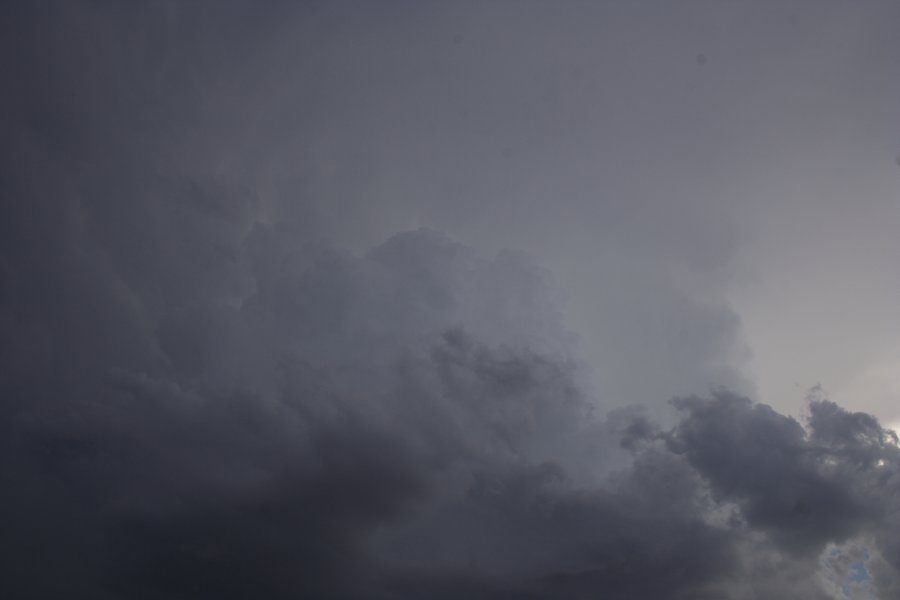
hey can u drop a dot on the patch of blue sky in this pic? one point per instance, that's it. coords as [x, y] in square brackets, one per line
[858, 577]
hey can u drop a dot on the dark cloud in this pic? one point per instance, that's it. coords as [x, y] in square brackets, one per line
[346, 432]
[801, 488]
[220, 382]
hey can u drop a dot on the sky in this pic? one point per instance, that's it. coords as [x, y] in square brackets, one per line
[389, 300]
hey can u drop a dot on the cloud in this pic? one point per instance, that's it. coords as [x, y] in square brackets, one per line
[225, 374]
[403, 423]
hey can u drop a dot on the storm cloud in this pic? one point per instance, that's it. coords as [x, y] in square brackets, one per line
[285, 313]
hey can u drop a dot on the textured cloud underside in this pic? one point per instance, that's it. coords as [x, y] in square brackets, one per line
[404, 424]
[216, 387]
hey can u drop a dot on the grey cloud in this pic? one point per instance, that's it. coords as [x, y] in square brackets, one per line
[803, 488]
[394, 455]
[225, 374]
[208, 119]
[760, 458]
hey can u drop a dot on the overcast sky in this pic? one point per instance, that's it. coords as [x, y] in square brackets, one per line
[450, 299]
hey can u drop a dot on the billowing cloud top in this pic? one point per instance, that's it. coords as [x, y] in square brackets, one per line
[211, 391]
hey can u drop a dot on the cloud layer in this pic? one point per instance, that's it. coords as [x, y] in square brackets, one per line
[406, 423]
[220, 385]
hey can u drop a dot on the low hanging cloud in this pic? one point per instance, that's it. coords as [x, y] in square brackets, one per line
[207, 394]
[411, 422]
